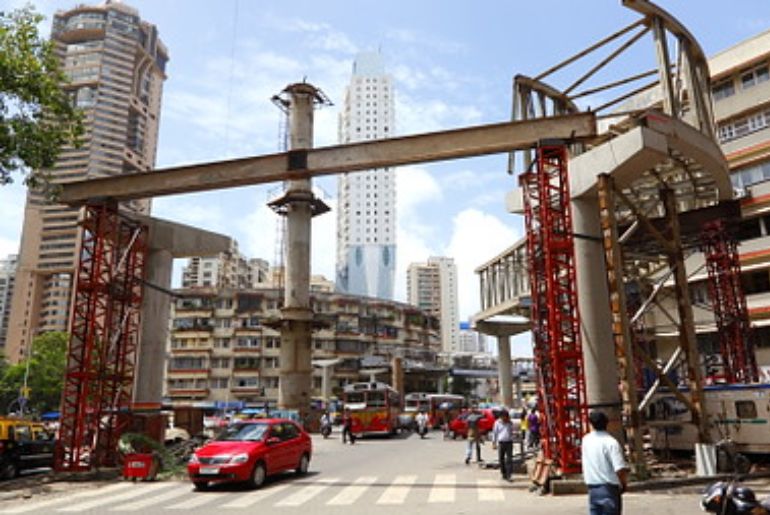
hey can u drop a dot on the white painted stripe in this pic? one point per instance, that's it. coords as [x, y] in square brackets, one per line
[398, 490]
[351, 493]
[307, 493]
[156, 499]
[91, 492]
[137, 491]
[247, 500]
[443, 488]
[199, 499]
[489, 490]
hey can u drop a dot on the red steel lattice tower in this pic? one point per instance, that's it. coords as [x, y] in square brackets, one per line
[721, 252]
[555, 322]
[104, 332]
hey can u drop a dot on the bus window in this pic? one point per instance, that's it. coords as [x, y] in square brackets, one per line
[746, 409]
[354, 397]
[376, 399]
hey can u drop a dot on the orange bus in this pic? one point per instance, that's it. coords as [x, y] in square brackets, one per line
[374, 407]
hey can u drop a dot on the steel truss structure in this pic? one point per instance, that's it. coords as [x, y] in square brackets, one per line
[104, 333]
[555, 319]
[720, 247]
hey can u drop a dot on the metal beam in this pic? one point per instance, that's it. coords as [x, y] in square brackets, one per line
[305, 163]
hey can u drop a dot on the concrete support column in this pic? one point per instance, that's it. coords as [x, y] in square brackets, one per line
[504, 369]
[599, 365]
[397, 375]
[149, 374]
[295, 386]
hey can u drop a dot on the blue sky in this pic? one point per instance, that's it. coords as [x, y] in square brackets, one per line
[452, 62]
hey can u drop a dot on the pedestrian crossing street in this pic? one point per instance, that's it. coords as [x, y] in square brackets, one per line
[286, 493]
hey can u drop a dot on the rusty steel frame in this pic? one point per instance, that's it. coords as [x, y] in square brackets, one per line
[555, 318]
[104, 333]
[720, 248]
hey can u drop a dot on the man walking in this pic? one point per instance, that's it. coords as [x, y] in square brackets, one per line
[474, 435]
[502, 440]
[604, 469]
[347, 427]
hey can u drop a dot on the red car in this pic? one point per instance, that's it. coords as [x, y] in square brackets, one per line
[459, 426]
[251, 450]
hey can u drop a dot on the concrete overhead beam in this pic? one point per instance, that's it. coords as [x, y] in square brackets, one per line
[306, 163]
[183, 240]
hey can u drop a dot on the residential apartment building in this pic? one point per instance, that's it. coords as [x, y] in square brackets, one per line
[7, 277]
[116, 65]
[366, 214]
[224, 344]
[227, 270]
[432, 286]
[469, 340]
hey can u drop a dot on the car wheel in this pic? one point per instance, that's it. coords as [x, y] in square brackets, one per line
[201, 486]
[258, 475]
[304, 464]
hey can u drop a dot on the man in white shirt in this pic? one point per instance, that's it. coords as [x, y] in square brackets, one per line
[604, 470]
[502, 440]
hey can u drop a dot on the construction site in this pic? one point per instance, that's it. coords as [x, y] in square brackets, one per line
[622, 203]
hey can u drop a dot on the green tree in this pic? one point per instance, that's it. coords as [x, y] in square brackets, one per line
[37, 116]
[45, 378]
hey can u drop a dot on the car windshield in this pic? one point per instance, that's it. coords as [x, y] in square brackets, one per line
[244, 432]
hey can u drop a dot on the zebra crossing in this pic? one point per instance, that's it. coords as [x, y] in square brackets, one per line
[443, 488]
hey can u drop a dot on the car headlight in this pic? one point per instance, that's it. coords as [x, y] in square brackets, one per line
[194, 459]
[240, 458]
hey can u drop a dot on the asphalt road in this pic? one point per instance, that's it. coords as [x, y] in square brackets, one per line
[374, 476]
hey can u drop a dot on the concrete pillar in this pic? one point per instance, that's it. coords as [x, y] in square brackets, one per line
[600, 367]
[504, 369]
[295, 386]
[151, 359]
[397, 375]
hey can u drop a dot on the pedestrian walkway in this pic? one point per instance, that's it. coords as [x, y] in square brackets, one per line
[285, 493]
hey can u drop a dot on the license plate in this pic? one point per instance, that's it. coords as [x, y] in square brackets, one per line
[209, 470]
[137, 465]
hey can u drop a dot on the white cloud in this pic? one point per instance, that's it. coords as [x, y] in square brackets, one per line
[476, 238]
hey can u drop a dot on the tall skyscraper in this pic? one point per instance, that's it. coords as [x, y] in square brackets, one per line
[366, 215]
[432, 286]
[7, 276]
[116, 65]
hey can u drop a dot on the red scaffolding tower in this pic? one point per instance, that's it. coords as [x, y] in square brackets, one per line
[729, 303]
[104, 332]
[555, 321]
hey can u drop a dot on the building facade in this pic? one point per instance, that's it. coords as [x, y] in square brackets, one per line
[227, 270]
[116, 65]
[7, 278]
[432, 286]
[224, 344]
[470, 340]
[366, 214]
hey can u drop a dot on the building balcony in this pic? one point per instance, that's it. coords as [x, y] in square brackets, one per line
[224, 312]
[246, 372]
[191, 351]
[223, 332]
[188, 393]
[247, 391]
[247, 350]
[192, 373]
[248, 331]
[754, 253]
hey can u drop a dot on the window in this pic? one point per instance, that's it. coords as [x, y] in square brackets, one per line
[723, 90]
[754, 77]
[745, 409]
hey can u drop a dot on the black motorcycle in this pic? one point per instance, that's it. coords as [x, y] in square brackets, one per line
[326, 430]
[732, 498]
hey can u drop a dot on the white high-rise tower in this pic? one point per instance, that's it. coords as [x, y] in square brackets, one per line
[366, 216]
